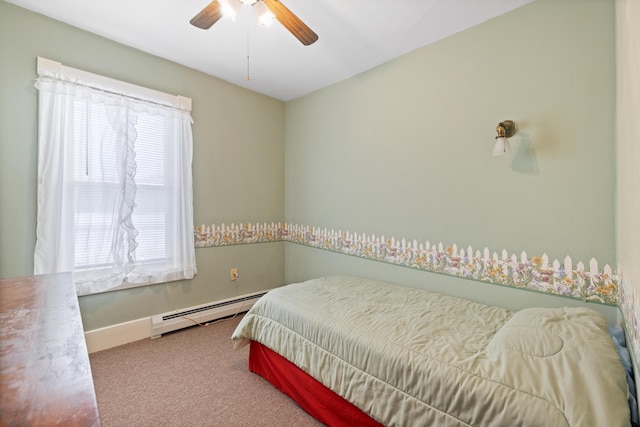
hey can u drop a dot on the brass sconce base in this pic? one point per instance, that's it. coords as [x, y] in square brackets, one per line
[506, 129]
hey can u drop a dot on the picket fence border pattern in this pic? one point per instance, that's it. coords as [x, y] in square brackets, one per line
[536, 273]
[630, 308]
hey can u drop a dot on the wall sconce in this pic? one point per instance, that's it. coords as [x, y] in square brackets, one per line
[505, 129]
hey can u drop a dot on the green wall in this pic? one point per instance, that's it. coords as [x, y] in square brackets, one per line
[238, 165]
[404, 150]
[628, 139]
[628, 173]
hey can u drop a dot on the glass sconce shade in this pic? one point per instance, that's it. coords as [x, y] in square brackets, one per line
[501, 147]
[505, 129]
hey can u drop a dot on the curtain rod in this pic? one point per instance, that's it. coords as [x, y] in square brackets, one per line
[58, 71]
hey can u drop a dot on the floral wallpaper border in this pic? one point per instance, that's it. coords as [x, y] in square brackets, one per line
[538, 273]
[630, 308]
[535, 273]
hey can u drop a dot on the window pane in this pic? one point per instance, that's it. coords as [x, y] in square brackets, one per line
[149, 218]
[95, 144]
[150, 150]
[96, 188]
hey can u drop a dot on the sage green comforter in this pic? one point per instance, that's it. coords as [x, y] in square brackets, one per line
[409, 357]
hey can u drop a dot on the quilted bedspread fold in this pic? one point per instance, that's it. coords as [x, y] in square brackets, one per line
[408, 357]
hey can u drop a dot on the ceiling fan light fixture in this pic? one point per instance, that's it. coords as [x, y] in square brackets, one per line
[266, 11]
[230, 8]
[263, 15]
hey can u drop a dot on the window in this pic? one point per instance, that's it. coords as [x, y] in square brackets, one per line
[114, 182]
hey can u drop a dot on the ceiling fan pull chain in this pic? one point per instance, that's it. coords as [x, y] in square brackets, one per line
[248, 74]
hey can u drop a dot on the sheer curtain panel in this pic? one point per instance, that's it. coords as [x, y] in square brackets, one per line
[114, 181]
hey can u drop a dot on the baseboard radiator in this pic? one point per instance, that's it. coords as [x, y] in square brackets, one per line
[201, 314]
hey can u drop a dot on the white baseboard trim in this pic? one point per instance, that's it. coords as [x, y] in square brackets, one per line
[115, 335]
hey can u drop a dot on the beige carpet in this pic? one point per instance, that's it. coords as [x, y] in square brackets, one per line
[191, 377]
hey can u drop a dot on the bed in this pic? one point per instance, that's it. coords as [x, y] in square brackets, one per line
[400, 356]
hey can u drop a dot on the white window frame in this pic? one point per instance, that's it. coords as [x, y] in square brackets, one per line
[52, 251]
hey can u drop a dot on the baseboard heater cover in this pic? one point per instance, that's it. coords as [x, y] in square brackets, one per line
[174, 320]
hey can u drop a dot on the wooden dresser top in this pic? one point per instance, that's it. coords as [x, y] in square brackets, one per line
[45, 376]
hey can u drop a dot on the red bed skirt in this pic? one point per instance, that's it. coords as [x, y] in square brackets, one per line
[316, 399]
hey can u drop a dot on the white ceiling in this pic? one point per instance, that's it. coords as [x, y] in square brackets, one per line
[354, 35]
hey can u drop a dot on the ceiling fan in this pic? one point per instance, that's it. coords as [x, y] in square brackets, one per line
[264, 10]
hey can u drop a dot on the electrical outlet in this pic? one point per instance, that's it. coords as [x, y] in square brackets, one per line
[233, 274]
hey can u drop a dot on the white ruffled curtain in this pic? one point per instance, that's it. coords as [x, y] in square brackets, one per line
[59, 226]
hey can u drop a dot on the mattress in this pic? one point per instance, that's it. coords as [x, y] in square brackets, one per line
[407, 356]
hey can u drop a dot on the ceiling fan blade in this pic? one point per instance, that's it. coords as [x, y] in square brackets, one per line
[208, 16]
[291, 22]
